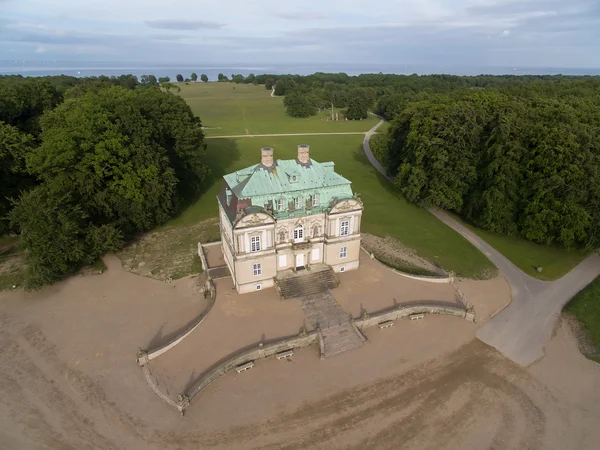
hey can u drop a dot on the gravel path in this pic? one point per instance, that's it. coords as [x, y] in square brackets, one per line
[521, 330]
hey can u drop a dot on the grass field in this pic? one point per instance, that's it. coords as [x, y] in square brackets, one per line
[585, 306]
[526, 255]
[232, 109]
[386, 212]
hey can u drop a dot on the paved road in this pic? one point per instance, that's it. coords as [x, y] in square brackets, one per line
[522, 329]
[284, 134]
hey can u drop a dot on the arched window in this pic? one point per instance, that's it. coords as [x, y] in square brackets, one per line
[299, 234]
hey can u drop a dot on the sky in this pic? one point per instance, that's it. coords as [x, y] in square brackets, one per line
[528, 33]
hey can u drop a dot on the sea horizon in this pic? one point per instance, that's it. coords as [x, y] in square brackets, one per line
[116, 68]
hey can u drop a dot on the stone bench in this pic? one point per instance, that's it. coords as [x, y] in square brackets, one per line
[387, 323]
[245, 366]
[284, 354]
[416, 316]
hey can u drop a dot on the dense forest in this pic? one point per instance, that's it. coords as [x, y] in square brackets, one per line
[518, 160]
[86, 163]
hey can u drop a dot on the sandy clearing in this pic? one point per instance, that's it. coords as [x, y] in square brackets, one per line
[68, 379]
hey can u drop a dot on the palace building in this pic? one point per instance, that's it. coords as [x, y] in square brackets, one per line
[287, 215]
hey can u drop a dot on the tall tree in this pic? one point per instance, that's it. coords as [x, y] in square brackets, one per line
[269, 83]
[115, 162]
[194, 77]
[204, 78]
[279, 88]
[179, 78]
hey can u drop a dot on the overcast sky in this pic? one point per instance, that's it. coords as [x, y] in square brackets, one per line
[532, 33]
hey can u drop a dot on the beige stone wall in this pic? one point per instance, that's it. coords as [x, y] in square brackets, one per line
[252, 287]
[244, 269]
[332, 253]
[308, 222]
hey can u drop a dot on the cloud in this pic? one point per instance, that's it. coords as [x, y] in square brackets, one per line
[302, 16]
[183, 24]
[505, 33]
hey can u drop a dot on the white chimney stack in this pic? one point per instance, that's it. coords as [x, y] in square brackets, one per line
[304, 154]
[266, 156]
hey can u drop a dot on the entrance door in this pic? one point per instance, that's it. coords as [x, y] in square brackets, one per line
[300, 261]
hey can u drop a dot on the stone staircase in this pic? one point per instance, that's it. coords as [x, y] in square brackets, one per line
[306, 283]
[340, 338]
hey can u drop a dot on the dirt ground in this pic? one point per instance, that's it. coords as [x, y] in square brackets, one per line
[68, 377]
[170, 253]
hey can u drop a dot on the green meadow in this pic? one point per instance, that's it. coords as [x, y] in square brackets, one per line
[228, 109]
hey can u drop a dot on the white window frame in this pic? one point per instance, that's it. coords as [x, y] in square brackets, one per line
[298, 202]
[343, 252]
[280, 205]
[342, 268]
[257, 269]
[344, 228]
[258, 287]
[315, 200]
[255, 244]
[299, 233]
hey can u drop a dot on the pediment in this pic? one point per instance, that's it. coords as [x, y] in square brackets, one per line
[257, 219]
[346, 205]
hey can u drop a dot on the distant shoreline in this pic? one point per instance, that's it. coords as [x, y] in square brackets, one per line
[94, 69]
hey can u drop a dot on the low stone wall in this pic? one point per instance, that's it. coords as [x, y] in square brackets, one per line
[370, 320]
[259, 351]
[146, 355]
[429, 279]
[202, 257]
[158, 392]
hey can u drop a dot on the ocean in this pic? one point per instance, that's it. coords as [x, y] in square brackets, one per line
[89, 69]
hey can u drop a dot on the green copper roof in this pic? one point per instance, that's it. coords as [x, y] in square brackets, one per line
[284, 177]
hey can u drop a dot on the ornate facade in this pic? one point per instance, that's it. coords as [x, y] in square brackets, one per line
[287, 215]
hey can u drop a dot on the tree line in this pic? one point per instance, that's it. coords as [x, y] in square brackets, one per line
[521, 159]
[87, 163]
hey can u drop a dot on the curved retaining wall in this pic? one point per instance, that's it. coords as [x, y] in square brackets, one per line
[406, 310]
[429, 279]
[145, 356]
[244, 356]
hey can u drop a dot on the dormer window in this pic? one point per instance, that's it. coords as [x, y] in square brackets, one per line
[280, 205]
[293, 178]
[228, 195]
[315, 200]
[298, 203]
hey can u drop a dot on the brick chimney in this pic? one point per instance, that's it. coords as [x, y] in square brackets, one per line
[266, 156]
[304, 154]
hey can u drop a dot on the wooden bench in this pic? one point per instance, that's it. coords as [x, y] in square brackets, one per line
[387, 323]
[284, 354]
[416, 316]
[245, 366]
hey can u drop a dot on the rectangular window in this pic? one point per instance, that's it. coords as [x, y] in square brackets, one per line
[315, 200]
[299, 234]
[255, 244]
[344, 228]
[280, 205]
[257, 269]
[298, 202]
[343, 252]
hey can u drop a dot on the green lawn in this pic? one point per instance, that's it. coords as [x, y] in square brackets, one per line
[234, 109]
[386, 212]
[555, 261]
[585, 306]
